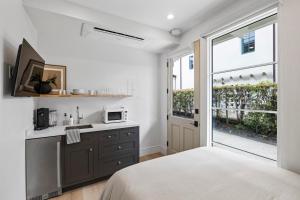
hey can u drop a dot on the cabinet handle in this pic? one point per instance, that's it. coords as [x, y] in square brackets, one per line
[119, 147]
[119, 162]
[91, 149]
[109, 136]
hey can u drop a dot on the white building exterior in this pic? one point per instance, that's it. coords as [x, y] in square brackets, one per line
[183, 73]
[228, 55]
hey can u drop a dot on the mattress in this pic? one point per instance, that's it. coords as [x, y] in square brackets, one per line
[203, 174]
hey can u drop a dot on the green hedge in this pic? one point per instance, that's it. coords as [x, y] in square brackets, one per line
[183, 102]
[262, 96]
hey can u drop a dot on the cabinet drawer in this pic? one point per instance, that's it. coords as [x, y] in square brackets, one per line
[128, 134]
[117, 149]
[110, 136]
[110, 166]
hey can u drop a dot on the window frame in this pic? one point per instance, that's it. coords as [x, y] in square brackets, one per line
[210, 72]
[251, 39]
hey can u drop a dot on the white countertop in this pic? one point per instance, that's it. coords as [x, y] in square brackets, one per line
[60, 130]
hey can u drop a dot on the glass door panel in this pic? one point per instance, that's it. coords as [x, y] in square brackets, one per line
[183, 87]
[244, 89]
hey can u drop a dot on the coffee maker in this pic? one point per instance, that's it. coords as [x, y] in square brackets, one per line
[42, 118]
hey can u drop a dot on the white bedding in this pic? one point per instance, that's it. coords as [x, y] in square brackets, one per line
[203, 174]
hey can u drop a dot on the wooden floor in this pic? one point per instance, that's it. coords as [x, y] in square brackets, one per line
[93, 192]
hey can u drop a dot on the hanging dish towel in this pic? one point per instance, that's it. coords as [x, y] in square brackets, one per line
[73, 136]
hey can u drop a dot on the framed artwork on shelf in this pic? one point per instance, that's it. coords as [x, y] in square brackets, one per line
[58, 72]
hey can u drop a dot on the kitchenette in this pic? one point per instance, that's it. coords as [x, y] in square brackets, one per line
[64, 157]
[78, 136]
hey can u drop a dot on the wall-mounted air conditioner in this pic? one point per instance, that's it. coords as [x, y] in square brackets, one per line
[108, 34]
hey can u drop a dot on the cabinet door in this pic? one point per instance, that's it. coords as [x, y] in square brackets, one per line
[79, 163]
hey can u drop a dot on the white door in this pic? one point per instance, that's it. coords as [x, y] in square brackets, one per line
[184, 101]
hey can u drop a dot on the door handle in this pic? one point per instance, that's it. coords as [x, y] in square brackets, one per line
[195, 123]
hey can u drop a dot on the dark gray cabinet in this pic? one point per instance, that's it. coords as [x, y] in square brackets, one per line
[79, 164]
[98, 155]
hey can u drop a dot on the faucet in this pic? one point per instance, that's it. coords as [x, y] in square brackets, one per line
[78, 115]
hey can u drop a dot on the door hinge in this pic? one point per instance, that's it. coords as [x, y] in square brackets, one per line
[167, 143]
[167, 90]
[167, 64]
[167, 117]
[196, 111]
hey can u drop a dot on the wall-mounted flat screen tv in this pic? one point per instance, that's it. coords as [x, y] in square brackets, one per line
[29, 66]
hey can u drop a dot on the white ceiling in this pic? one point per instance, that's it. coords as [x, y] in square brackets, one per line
[69, 17]
[153, 12]
[143, 18]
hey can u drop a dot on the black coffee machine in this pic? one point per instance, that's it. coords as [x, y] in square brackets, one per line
[41, 118]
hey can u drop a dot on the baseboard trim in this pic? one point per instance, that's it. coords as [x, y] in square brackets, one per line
[164, 150]
[150, 150]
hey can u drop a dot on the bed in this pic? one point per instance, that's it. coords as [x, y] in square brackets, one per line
[203, 174]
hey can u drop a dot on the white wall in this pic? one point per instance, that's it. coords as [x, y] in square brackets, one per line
[289, 81]
[107, 66]
[15, 113]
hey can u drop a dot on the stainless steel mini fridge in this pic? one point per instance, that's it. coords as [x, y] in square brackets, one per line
[43, 168]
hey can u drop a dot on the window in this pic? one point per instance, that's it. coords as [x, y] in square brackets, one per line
[191, 62]
[183, 86]
[244, 89]
[248, 43]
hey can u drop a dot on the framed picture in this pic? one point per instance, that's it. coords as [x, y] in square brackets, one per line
[58, 71]
[34, 68]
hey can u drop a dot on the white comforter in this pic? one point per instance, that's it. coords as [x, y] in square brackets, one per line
[203, 174]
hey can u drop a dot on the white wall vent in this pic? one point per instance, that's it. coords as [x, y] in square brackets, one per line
[132, 37]
[88, 29]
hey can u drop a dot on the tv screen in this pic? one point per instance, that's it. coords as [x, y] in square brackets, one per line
[29, 66]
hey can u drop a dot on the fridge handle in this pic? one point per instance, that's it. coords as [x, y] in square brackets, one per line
[58, 166]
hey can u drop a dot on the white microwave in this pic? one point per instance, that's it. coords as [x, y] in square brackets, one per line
[115, 115]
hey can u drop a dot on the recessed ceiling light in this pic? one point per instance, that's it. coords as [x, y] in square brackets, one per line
[170, 16]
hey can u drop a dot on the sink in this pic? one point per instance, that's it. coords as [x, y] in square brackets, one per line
[85, 126]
